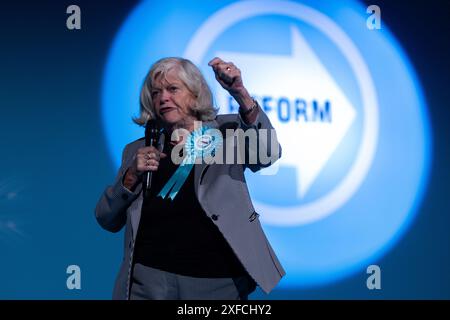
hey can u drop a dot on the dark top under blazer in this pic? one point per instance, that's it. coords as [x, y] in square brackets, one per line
[176, 235]
[222, 192]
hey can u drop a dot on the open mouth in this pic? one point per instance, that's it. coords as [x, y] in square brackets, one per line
[165, 110]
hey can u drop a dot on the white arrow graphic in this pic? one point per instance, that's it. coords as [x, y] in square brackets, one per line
[307, 141]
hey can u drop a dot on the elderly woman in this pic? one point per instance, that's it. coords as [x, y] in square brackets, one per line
[207, 241]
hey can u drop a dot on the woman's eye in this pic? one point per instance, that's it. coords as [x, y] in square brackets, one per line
[154, 93]
[173, 89]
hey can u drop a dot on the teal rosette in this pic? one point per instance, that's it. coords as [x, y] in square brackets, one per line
[200, 144]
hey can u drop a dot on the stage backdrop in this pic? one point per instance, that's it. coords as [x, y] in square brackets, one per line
[356, 206]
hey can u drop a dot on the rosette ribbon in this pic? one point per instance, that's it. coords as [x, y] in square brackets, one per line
[200, 143]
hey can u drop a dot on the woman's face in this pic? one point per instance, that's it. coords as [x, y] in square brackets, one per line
[172, 99]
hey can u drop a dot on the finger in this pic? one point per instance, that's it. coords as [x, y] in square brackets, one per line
[216, 68]
[151, 155]
[214, 61]
[222, 69]
[227, 77]
[162, 155]
[148, 168]
[148, 165]
[220, 80]
[152, 165]
[144, 151]
[222, 66]
[152, 162]
[228, 73]
[235, 74]
[229, 66]
[159, 153]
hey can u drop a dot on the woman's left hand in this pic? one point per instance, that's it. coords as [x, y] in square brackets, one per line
[229, 77]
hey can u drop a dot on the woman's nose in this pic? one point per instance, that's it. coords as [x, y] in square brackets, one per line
[164, 96]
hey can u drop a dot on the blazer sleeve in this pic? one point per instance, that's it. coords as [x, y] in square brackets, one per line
[267, 150]
[111, 208]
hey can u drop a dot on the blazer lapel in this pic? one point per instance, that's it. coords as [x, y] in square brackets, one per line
[201, 167]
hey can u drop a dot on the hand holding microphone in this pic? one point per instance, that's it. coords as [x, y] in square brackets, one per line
[152, 156]
[146, 160]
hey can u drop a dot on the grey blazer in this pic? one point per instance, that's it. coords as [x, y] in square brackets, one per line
[222, 192]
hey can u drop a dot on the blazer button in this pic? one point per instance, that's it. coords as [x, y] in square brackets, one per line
[215, 217]
[124, 196]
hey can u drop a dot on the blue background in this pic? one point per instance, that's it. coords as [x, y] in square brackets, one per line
[55, 161]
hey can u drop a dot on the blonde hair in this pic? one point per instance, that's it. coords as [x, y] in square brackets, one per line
[192, 78]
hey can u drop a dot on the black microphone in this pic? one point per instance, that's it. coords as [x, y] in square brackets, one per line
[152, 133]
